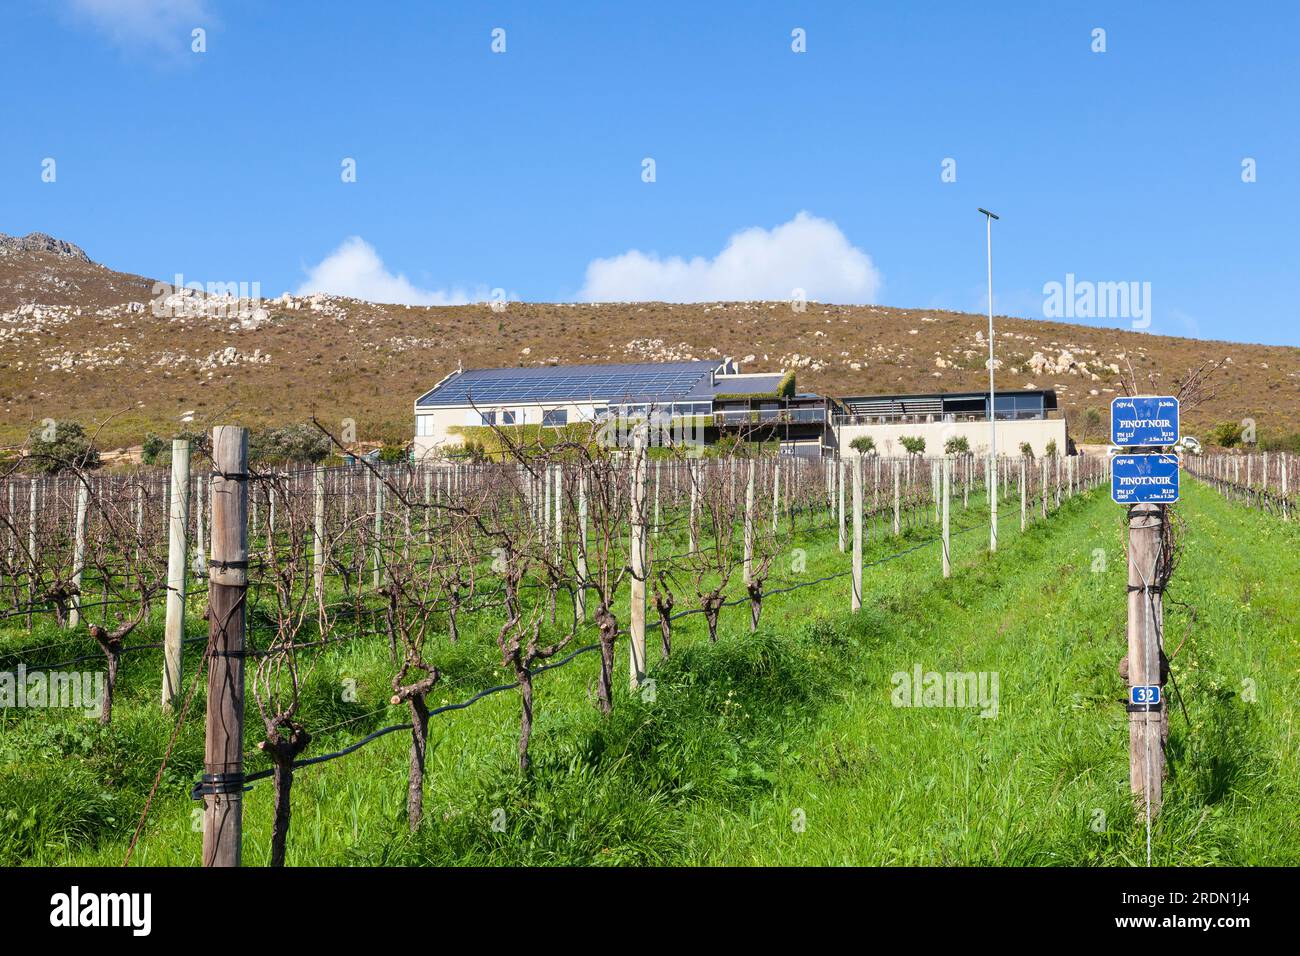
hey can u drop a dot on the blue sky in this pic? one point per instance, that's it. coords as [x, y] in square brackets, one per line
[523, 170]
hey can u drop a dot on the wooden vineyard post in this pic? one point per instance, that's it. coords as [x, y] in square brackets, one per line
[947, 553]
[1024, 500]
[31, 552]
[1145, 654]
[693, 472]
[544, 505]
[776, 496]
[79, 550]
[580, 595]
[749, 525]
[559, 512]
[898, 527]
[636, 620]
[379, 529]
[1042, 482]
[840, 468]
[200, 548]
[856, 602]
[178, 520]
[992, 474]
[318, 534]
[657, 482]
[223, 752]
[1286, 505]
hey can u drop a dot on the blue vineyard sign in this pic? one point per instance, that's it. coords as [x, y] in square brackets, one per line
[1144, 421]
[1144, 479]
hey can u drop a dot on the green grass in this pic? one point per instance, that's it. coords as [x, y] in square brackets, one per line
[746, 736]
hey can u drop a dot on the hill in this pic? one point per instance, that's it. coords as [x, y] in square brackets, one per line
[80, 341]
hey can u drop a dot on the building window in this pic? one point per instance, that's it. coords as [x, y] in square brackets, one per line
[555, 417]
[508, 417]
[489, 418]
[424, 426]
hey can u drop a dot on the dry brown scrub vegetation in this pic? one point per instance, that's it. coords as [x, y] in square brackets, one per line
[73, 347]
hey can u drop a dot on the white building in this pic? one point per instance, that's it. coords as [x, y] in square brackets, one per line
[559, 395]
[1028, 416]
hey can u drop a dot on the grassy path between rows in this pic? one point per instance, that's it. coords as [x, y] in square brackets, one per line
[782, 747]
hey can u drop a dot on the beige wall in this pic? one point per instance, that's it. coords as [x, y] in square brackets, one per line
[1037, 432]
[443, 438]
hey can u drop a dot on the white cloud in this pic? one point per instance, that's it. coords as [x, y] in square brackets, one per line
[354, 269]
[805, 253]
[160, 25]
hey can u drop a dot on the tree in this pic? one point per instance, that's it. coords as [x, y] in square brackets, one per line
[1026, 450]
[785, 388]
[913, 444]
[1050, 449]
[956, 445]
[1091, 420]
[152, 448]
[65, 445]
[289, 443]
[1226, 434]
[864, 445]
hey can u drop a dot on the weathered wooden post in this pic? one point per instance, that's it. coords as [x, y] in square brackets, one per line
[31, 552]
[178, 521]
[856, 601]
[559, 512]
[1286, 504]
[379, 530]
[200, 546]
[1042, 480]
[693, 472]
[318, 534]
[580, 595]
[898, 527]
[640, 568]
[992, 476]
[776, 495]
[1145, 653]
[748, 564]
[1024, 500]
[223, 754]
[841, 469]
[947, 553]
[657, 483]
[79, 550]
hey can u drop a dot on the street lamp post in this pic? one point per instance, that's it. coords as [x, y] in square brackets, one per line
[993, 428]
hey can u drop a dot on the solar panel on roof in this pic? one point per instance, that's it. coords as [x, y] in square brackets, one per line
[647, 382]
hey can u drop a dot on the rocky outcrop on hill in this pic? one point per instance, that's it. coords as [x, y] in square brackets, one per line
[41, 242]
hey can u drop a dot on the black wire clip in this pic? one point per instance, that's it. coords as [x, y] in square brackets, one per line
[1155, 708]
[216, 784]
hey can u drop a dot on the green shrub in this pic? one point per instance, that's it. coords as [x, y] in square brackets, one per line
[956, 445]
[63, 445]
[863, 445]
[152, 449]
[289, 443]
[1226, 435]
[913, 444]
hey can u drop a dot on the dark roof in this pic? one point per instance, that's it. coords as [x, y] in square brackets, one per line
[1049, 395]
[924, 403]
[640, 381]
